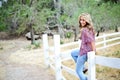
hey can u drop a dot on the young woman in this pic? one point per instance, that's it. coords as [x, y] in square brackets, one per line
[88, 44]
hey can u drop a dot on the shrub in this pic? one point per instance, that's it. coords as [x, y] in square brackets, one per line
[61, 42]
[68, 35]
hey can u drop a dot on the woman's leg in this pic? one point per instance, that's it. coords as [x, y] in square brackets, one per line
[80, 66]
[75, 54]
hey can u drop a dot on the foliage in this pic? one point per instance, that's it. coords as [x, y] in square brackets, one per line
[22, 14]
[61, 42]
[16, 15]
[105, 15]
[68, 34]
[35, 45]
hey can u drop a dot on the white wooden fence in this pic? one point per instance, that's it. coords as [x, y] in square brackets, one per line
[54, 61]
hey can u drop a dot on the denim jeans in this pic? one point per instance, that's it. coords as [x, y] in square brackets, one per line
[80, 61]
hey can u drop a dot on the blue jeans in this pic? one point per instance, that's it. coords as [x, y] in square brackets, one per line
[80, 61]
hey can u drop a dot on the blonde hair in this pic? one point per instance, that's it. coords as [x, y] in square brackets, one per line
[88, 19]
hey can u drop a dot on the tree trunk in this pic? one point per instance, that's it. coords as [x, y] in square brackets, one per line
[61, 31]
[31, 28]
[23, 1]
[31, 1]
[116, 29]
[54, 4]
[57, 5]
[98, 33]
[75, 33]
[32, 34]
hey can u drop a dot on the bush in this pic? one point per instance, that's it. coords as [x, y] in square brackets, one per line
[68, 35]
[35, 45]
[61, 42]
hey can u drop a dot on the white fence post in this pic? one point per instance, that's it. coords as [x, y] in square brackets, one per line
[46, 49]
[79, 43]
[91, 65]
[57, 57]
[104, 38]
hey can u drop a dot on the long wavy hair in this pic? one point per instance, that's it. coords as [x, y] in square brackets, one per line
[88, 19]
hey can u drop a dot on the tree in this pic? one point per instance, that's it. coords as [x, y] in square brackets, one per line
[57, 5]
[18, 15]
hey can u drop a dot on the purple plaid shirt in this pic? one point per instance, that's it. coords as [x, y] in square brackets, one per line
[87, 37]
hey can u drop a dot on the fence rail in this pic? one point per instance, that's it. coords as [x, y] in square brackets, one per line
[108, 61]
[101, 60]
[59, 57]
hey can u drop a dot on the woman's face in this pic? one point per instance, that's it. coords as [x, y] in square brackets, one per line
[82, 22]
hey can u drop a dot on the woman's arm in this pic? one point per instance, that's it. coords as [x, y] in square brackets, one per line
[93, 46]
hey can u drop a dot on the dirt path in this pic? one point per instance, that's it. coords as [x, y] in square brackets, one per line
[19, 64]
[24, 72]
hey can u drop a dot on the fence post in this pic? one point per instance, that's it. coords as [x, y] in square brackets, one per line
[57, 57]
[91, 65]
[79, 43]
[46, 48]
[104, 38]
